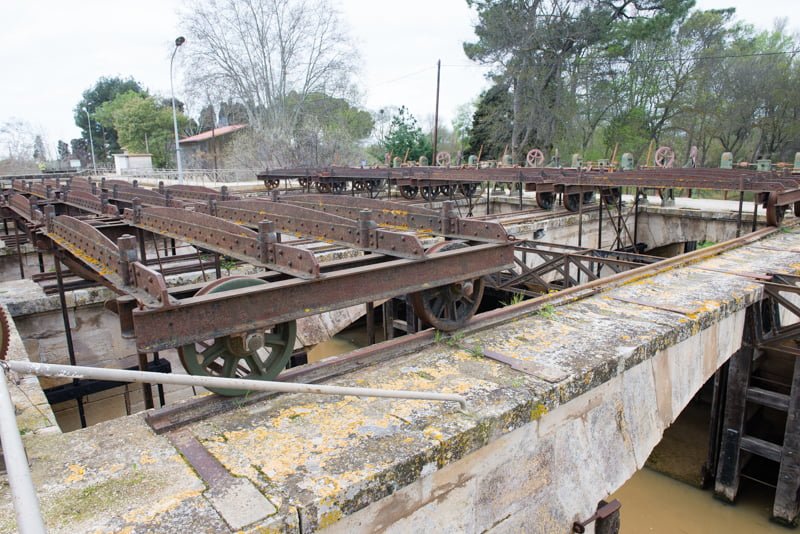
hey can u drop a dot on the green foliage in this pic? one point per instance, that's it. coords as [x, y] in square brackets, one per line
[547, 311]
[105, 138]
[143, 124]
[405, 136]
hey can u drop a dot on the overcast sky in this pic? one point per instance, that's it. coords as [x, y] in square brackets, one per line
[53, 50]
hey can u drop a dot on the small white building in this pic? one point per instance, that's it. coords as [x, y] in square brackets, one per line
[132, 162]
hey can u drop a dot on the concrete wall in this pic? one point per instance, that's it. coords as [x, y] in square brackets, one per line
[551, 472]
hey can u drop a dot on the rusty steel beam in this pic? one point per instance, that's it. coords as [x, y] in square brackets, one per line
[82, 199]
[196, 192]
[248, 309]
[361, 234]
[402, 216]
[118, 265]
[224, 237]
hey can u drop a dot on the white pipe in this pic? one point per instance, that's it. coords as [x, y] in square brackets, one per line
[120, 375]
[26, 503]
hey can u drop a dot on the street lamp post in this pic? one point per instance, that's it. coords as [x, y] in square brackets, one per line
[178, 42]
[91, 141]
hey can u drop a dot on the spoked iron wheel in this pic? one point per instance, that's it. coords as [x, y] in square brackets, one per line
[429, 192]
[373, 187]
[272, 183]
[449, 307]
[775, 213]
[545, 200]
[409, 192]
[572, 201]
[358, 185]
[338, 187]
[259, 355]
[323, 187]
[303, 182]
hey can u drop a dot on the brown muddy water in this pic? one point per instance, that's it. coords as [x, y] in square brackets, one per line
[655, 503]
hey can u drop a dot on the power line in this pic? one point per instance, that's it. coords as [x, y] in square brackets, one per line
[404, 76]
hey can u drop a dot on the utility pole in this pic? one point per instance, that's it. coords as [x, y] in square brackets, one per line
[436, 113]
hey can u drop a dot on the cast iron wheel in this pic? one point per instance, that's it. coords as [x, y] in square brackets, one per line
[409, 192]
[445, 190]
[448, 308]
[5, 330]
[373, 187]
[572, 201]
[775, 213]
[545, 200]
[251, 355]
[272, 183]
[429, 192]
[358, 185]
[323, 187]
[303, 182]
[338, 187]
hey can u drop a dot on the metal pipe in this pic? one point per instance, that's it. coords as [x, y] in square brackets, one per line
[121, 375]
[91, 139]
[26, 502]
[178, 42]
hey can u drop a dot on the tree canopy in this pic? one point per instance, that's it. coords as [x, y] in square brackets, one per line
[589, 75]
[104, 90]
[143, 124]
[288, 64]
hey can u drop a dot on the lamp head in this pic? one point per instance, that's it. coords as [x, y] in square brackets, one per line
[179, 41]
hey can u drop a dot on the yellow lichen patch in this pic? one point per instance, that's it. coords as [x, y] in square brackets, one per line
[113, 468]
[147, 513]
[433, 433]
[329, 518]
[77, 472]
[145, 459]
[538, 411]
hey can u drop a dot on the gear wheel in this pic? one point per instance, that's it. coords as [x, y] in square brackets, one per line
[5, 332]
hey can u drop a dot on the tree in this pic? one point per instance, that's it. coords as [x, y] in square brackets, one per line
[17, 138]
[40, 152]
[271, 57]
[143, 124]
[63, 150]
[405, 138]
[490, 134]
[534, 45]
[104, 90]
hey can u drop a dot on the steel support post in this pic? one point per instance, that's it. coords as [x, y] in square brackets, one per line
[68, 332]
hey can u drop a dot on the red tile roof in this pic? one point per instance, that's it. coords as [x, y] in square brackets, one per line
[203, 136]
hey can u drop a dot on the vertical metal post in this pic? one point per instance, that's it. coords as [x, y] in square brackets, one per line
[636, 222]
[388, 319]
[370, 311]
[739, 215]
[436, 113]
[23, 493]
[41, 262]
[146, 389]
[19, 250]
[217, 266]
[159, 387]
[600, 229]
[755, 210]
[68, 331]
[619, 219]
[411, 317]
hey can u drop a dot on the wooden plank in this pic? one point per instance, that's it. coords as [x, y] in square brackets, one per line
[786, 505]
[764, 397]
[727, 484]
[760, 447]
